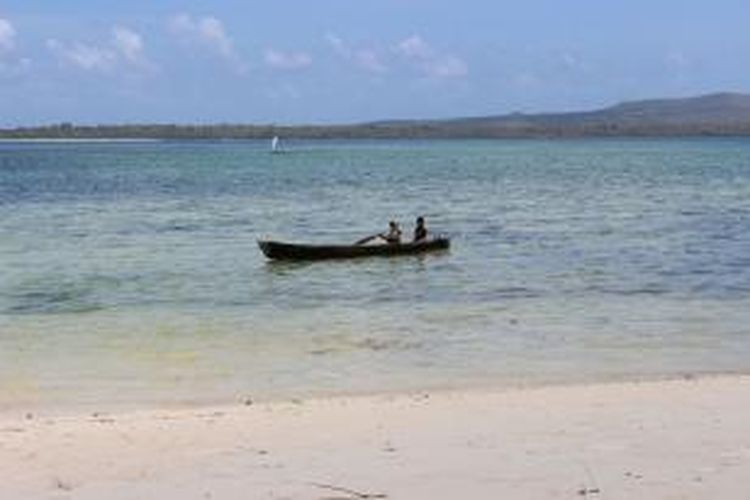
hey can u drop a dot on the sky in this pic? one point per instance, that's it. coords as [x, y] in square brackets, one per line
[349, 61]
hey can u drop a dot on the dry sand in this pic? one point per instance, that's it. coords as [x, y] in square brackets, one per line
[682, 439]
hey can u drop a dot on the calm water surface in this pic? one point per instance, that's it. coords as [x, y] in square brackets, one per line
[129, 273]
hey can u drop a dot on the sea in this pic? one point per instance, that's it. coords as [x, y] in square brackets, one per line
[130, 274]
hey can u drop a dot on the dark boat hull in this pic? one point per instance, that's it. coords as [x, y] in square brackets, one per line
[291, 251]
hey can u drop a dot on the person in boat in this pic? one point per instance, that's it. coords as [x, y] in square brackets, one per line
[393, 236]
[420, 231]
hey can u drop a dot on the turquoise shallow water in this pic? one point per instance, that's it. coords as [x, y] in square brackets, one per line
[129, 273]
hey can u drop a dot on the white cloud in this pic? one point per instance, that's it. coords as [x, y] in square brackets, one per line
[126, 48]
[338, 45]
[287, 60]
[11, 64]
[212, 31]
[447, 67]
[414, 47]
[7, 36]
[414, 50]
[572, 63]
[364, 58]
[429, 61]
[130, 47]
[83, 56]
[128, 43]
[369, 60]
[207, 31]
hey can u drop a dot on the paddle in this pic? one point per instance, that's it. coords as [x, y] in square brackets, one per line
[366, 239]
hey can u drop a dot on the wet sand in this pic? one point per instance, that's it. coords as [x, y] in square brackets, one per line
[686, 439]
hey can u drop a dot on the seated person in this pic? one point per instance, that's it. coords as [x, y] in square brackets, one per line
[393, 236]
[420, 232]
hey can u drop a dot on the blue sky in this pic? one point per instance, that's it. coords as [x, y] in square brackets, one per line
[325, 61]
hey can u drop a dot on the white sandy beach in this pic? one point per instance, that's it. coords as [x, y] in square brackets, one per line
[681, 439]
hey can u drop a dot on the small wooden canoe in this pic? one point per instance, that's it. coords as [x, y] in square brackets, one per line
[292, 251]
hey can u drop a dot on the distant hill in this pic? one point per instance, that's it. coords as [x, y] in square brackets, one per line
[713, 109]
[715, 114]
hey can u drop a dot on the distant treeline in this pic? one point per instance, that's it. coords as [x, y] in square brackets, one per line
[386, 130]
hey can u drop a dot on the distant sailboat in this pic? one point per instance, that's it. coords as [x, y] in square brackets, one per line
[275, 144]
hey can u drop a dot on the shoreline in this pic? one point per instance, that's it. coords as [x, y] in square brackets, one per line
[678, 438]
[57, 409]
[11, 408]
